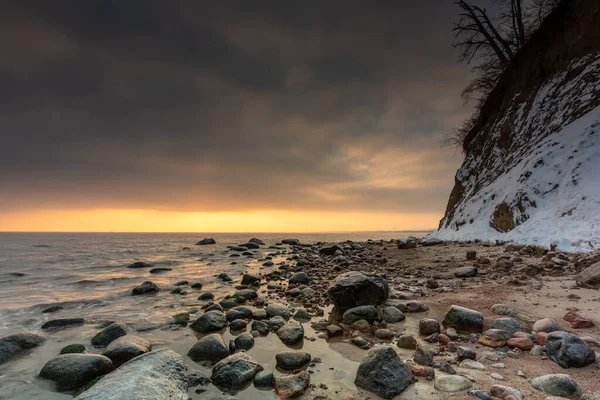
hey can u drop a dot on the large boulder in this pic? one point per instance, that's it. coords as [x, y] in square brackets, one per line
[210, 321]
[235, 371]
[382, 372]
[126, 348]
[108, 334]
[70, 371]
[354, 289]
[211, 347]
[368, 313]
[15, 345]
[161, 374]
[568, 350]
[590, 277]
[557, 385]
[206, 241]
[291, 333]
[463, 319]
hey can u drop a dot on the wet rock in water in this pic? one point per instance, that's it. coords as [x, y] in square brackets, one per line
[590, 277]
[578, 320]
[416, 307]
[557, 385]
[250, 245]
[367, 313]
[568, 350]
[235, 371]
[257, 241]
[509, 325]
[463, 319]
[206, 241]
[249, 279]
[239, 312]
[423, 356]
[224, 277]
[261, 327]
[72, 348]
[392, 315]
[263, 379]
[196, 285]
[210, 321]
[139, 264]
[181, 319]
[247, 294]
[238, 325]
[291, 242]
[362, 326]
[546, 325]
[407, 342]
[291, 360]
[291, 333]
[276, 322]
[63, 323]
[302, 315]
[465, 272]
[494, 338]
[505, 392]
[108, 334]
[354, 289]
[300, 278]
[334, 330]
[161, 374]
[13, 346]
[244, 341]
[291, 385]
[278, 310]
[70, 371]
[160, 270]
[428, 326]
[330, 249]
[126, 348]
[145, 288]
[51, 309]
[382, 372]
[384, 334]
[452, 383]
[228, 303]
[465, 353]
[206, 296]
[259, 314]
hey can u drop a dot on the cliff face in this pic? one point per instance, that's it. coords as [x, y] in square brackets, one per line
[532, 167]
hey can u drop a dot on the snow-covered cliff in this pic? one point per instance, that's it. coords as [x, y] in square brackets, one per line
[531, 173]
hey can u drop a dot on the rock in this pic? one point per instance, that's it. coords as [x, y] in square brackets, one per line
[329, 250]
[367, 313]
[228, 303]
[250, 245]
[590, 277]
[452, 383]
[407, 342]
[239, 313]
[206, 296]
[63, 323]
[247, 294]
[415, 307]
[278, 310]
[546, 325]
[494, 338]
[235, 371]
[428, 326]
[302, 315]
[126, 348]
[471, 364]
[73, 348]
[480, 394]
[557, 385]
[568, 350]
[384, 334]
[423, 356]
[360, 341]
[291, 385]
[238, 325]
[503, 309]
[181, 319]
[70, 371]
[431, 241]
[161, 374]
[299, 277]
[524, 344]
[354, 289]
[51, 309]
[196, 285]
[291, 242]
[334, 330]
[249, 279]
[263, 379]
[509, 325]
[160, 270]
[145, 288]
[261, 327]
[420, 370]
[275, 323]
[497, 376]
[383, 373]
[432, 283]
[210, 321]
[224, 277]
[465, 272]
[471, 255]
[259, 314]
[211, 347]
[244, 341]
[505, 392]
[257, 241]
[407, 243]
[108, 334]
[291, 360]
[392, 315]
[578, 320]
[463, 319]
[206, 241]
[465, 353]
[362, 326]
[291, 333]
[139, 264]
[13, 346]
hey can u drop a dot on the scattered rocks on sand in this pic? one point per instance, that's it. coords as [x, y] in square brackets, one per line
[557, 385]
[291, 333]
[108, 334]
[568, 350]
[139, 264]
[210, 321]
[291, 385]
[235, 371]
[211, 347]
[63, 323]
[354, 289]
[471, 364]
[147, 287]
[161, 374]
[15, 345]
[291, 360]
[382, 372]
[126, 348]
[206, 241]
[465, 353]
[463, 319]
[70, 371]
[452, 383]
[367, 313]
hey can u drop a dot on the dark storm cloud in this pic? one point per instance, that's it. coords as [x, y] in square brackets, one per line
[203, 106]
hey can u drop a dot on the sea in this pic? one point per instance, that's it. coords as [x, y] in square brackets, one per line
[86, 274]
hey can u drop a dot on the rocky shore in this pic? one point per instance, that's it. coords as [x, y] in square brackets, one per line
[414, 319]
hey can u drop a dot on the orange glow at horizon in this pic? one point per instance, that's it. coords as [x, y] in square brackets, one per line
[117, 220]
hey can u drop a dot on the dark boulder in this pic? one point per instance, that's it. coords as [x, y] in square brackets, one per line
[210, 321]
[249, 279]
[354, 289]
[368, 313]
[211, 347]
[463, 319]
[291, 360]
[160, 270]
[108, 334]
[126, 348]
[206, 241]
[15, 345]
[63, 323]
[145, 288]
[568, 350]
[291, 242]
[382, 372]
[139, 264]
[70, 371]
[235, 371]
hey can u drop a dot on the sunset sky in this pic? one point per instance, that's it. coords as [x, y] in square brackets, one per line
[151, 115]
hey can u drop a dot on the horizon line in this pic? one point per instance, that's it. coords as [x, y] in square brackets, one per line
[234, 232]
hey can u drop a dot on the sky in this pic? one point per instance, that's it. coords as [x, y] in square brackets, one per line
[270, 116]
